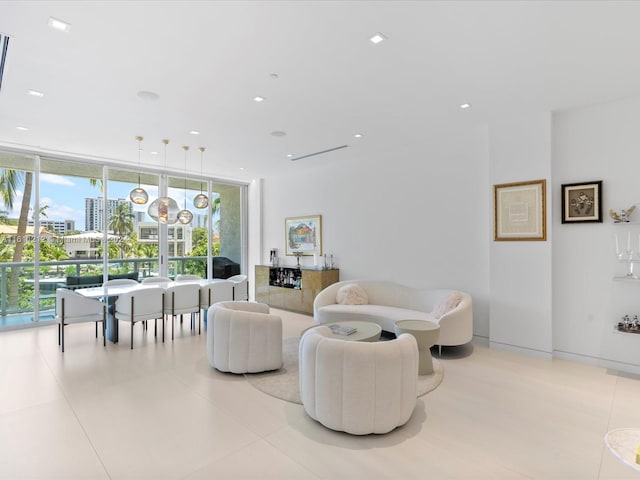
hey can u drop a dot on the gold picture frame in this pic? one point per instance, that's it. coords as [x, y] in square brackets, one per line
[520, 211]
[303, 235]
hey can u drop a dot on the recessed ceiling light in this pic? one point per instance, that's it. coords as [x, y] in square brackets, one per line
[258, 99]
[289, 155]
[377, 38]
[153, 153]
[241, 168]
[59, 25]
[21, 128]
[35, 93]
[465, 105]
[194, 132]
[149, 96]
[278, 133]
[358, 135]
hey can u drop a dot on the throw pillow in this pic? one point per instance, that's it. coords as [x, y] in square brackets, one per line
[447, 304]
[352, 294]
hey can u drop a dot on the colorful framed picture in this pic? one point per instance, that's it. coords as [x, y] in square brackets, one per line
[520, 211]
[303, 235]
[582, 202]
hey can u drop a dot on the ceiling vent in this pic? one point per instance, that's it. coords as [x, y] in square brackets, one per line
[4, 41]
[319, 153]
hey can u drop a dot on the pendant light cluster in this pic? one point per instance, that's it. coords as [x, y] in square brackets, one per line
[185, 216]
[138, 195]
[166, 209]
[201, 200]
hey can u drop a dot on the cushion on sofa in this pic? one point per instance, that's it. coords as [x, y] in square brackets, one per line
[352, 294]
[447, 304]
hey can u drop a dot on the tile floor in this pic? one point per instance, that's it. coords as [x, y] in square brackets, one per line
[161, 412]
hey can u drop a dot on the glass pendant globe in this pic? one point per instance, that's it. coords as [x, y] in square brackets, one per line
[164, 210]
[185, 216]
[201, 201]
[139, 196]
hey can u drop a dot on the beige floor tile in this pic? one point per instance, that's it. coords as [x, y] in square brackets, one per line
[44, 442]
[259, 460]
[160, 411]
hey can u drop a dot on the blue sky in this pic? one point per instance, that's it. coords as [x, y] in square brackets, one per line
[64, 196]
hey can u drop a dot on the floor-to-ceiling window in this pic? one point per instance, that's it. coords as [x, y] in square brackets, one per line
[78, 219]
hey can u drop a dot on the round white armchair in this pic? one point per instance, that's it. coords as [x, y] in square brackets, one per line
[358, 387]
[243, 337]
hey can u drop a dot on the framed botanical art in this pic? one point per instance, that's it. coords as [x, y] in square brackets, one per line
[520, 211]
[582, 202]
[303, 235]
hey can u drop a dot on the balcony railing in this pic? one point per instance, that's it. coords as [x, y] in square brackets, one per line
[24, 310]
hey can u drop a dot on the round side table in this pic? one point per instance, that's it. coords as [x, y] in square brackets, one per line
[426, 334]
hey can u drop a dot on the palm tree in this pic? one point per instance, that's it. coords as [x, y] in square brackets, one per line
[121, 224]
[57, 252]
[9, 182]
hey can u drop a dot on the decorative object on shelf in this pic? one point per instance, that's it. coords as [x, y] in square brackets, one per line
[628, 256]
[628, 325]
[520, 211]
[273, 257]
[201, 200]
[303, 234]
[623, 215]
[582, 202]
[138, 195]
[298, 254]
[185, 216]
[164, 209]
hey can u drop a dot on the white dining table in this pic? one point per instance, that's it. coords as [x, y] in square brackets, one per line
[109, 293]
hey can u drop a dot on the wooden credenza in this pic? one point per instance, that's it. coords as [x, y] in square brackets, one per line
[292, 288]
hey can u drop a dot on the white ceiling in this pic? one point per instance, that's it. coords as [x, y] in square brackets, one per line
[207, 60]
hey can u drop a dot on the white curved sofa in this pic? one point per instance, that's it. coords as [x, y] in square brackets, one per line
[389, 302]
[358, 387]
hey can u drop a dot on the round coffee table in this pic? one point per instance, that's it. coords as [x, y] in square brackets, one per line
[365, 331]
[426, 334]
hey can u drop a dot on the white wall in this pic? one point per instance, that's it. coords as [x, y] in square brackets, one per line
[416, 212]
[520, 271]
[599, 142]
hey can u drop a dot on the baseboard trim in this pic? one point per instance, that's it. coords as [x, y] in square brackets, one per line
[521, 350]
[598, 362]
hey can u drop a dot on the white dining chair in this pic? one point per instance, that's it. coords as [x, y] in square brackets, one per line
[187, 278]
[241, 287]
[220, 291]
[71, 307]
[140, 305]
[181, 298]
[156, 280]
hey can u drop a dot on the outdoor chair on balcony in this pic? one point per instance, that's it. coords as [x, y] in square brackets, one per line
[71, 307]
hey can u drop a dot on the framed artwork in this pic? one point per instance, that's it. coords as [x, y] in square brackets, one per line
[303, 235]
[582, 202]
[520, 211]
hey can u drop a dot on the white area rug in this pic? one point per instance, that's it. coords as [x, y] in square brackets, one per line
[284, 384]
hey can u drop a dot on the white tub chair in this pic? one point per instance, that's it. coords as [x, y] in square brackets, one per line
[358, 387]
[243, 337]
